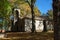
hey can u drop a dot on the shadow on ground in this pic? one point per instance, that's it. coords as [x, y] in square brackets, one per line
[28, 36]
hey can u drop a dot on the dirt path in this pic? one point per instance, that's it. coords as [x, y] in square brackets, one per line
[29, 36]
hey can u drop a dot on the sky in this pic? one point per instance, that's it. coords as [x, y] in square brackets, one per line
[44, 5]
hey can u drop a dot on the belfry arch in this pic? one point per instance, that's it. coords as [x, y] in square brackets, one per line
[18, 23]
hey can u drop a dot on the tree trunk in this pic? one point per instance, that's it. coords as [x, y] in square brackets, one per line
[12, 21]
[56, 18]
[45, 27]
[12, 26]
[33, 16]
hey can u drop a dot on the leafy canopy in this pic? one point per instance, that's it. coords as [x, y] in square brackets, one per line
[4, 8]
[50, 14]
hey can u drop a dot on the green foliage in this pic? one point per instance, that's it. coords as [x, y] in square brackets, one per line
[25, 8]
[37, 12]
[50, 14]
[4, 8]
[31, 2]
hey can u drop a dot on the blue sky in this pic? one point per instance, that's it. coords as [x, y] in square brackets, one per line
[44, 5]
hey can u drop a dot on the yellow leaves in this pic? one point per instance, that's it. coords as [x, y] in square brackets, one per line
[25, 8]
[11, 1]
[36, 11]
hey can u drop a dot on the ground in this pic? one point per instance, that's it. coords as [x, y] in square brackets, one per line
[29, 36]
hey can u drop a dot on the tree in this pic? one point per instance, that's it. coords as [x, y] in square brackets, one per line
[50, 14]
[5, 10]
[37, 11]
[31, 4]
[45, 28]
[25, 7]
[56, 18]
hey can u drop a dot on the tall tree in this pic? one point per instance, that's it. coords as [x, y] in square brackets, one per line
[56, 18]
[33, 15]
[31, 4]
[25, 6]
[50, 14]
[45, 28]
[5, 9]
